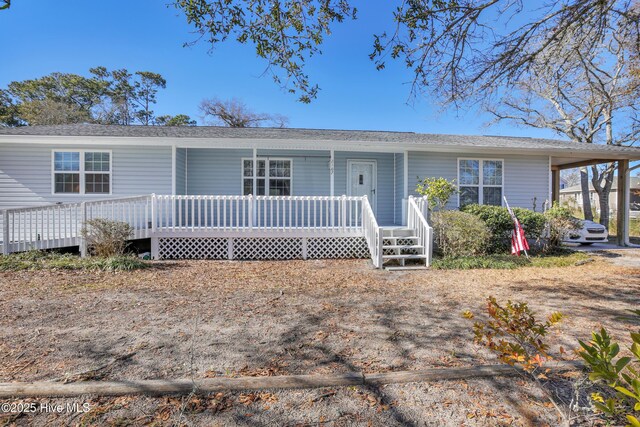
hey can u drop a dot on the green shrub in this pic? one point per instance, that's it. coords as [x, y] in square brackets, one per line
[621, 373]
[437, 190]
[106, 238]
[514, 333]
[500, 224]
[517, 337]
[459, 234]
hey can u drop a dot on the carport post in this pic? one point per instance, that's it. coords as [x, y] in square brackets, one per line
[623, 203]
[555, 185]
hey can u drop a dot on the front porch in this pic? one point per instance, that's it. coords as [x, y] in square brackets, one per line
[231, 227]
[296, 172]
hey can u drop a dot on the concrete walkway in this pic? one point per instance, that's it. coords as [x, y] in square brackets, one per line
[619, 255]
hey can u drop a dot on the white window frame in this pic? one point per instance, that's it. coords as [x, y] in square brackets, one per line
[82, 172]
[266, 176]
[481, 184]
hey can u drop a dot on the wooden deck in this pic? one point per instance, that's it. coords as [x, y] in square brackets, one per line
[217, 226]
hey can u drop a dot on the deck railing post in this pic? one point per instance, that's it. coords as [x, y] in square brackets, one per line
[5, 232]
[343, 212]
[153, 213]
[251, 211]
[83, 222]
[365, 203]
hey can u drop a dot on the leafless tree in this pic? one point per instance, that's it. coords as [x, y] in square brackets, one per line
[235, 113]
[472, 49]
[583, 93]
[571, 177]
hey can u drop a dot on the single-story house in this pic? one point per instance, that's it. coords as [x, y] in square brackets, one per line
[572, 196]
[253, 193]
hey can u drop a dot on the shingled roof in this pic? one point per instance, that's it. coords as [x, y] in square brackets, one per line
[363, 136]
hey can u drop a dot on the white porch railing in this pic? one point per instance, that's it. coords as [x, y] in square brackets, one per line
[60, 225]
[256, 214]
[372, 233]
[416, 220]
[159, 216]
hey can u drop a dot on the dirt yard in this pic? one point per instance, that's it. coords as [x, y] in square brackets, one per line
[205, 318]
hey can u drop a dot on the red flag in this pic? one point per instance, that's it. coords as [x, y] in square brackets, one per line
[518, 240]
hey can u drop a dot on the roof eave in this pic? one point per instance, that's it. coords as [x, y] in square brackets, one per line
[376, 146]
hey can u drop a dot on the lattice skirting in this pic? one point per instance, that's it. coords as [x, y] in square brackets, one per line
[261, 248]
[337, 248]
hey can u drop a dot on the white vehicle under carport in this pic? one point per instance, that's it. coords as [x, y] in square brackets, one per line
[588, 233]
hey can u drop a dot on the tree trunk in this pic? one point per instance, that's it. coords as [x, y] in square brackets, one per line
[602, 183]
[586, 199]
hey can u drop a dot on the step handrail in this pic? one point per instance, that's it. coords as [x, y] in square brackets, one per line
[372, 233]
[417, 222]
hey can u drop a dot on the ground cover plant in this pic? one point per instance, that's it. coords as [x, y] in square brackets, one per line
[42, 260]
[509, 262]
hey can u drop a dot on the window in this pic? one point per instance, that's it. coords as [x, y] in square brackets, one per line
[81, 172]
[67, 172]
[480, 181]
[273, 177]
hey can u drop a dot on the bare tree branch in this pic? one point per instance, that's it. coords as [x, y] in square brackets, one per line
[235, 113]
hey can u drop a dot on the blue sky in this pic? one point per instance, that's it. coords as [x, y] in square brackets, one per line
[40, 37]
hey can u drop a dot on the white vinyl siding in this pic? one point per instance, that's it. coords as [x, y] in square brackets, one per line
[526, 178]
[26, 173]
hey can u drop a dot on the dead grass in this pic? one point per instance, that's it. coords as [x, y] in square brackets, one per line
[209, 318]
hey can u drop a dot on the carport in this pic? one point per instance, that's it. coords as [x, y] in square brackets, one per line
[620, 158]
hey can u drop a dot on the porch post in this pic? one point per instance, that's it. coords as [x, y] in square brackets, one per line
[332, 187]
[623, 203]
[331, 177]
[555, 186]
[405, 192]
[255, 184]
[173, 169]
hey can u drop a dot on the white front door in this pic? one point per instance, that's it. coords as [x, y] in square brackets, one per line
[362, 180]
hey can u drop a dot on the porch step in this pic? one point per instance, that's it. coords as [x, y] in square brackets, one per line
[404, 256]
[395, 238]
[402, 247]
[397, 232]
[403, 268]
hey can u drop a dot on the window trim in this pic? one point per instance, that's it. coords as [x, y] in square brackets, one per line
[82, 171]
[267, 159]
[481, 184]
